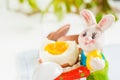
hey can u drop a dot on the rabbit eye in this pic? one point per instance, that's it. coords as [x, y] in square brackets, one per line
[94, 35]
[84, 34]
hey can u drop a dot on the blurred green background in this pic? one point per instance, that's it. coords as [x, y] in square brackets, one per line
[61, 7]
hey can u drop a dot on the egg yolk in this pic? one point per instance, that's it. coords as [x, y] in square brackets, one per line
[56, 48]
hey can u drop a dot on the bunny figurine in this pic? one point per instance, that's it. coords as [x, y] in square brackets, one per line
[91, 42]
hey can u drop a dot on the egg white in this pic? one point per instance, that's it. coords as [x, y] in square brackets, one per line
[69, 56]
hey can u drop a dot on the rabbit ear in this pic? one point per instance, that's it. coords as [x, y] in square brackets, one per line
[88, 16]
[106, 22]
[59, 33]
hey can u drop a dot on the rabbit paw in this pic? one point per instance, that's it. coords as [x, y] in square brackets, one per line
[97, 64]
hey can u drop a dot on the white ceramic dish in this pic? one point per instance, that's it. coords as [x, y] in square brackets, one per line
[27, 61]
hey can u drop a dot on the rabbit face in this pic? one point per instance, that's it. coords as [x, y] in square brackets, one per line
[92, 37]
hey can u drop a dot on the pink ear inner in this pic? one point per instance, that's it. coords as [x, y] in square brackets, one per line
[103, 22]
[106, 22]
[86, 16]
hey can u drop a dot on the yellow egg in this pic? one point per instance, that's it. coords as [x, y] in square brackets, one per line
[59, 52]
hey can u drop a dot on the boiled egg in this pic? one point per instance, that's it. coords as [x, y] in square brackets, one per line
[60, 52]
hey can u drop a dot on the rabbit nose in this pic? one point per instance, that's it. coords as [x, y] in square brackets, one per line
[88, 38]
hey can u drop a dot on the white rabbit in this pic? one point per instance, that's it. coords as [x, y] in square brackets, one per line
[92, 37]
[90, 41]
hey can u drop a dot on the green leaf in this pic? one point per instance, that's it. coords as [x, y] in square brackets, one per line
[78, 3]
[21, 1]
[116, 17]
[33, 5]
[58, 9]
[113, 13]
[93, 4]
[48, 7]
[88, 5]
[59, 13]
[99, 17]
[68, 6]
